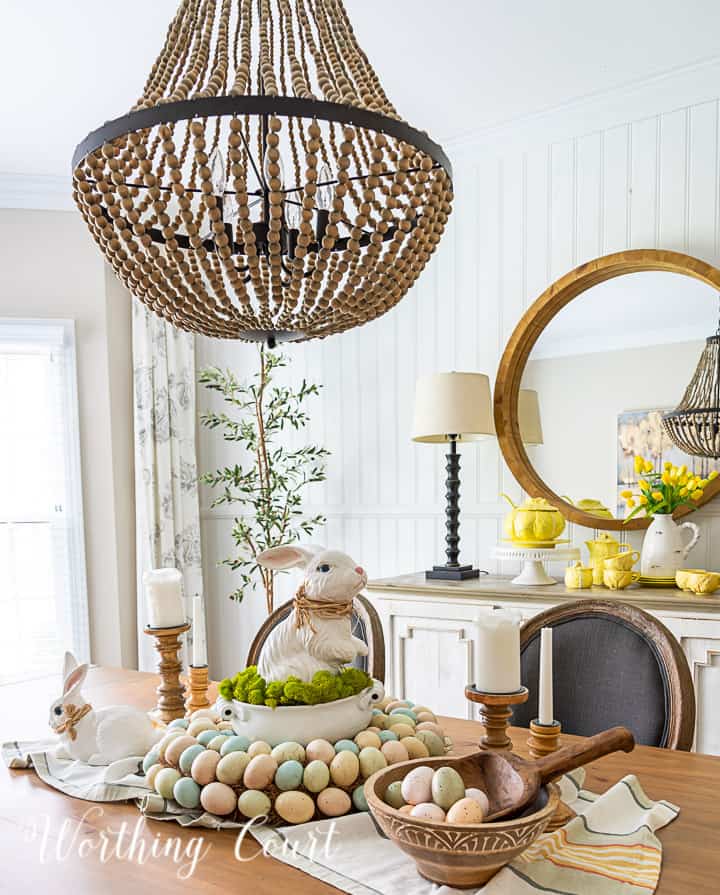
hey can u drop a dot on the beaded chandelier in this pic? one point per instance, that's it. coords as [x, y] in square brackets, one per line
[263, 187]
[694, 425]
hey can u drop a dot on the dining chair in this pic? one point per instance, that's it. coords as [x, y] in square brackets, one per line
[366, 626]
[612, 664]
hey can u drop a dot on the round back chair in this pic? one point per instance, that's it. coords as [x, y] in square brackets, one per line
[366, 626]
[612, 664]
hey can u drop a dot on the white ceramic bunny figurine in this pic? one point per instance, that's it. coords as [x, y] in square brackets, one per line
[317, 635]
[97, 736]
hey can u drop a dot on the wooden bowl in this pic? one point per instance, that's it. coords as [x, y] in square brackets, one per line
[448, 854]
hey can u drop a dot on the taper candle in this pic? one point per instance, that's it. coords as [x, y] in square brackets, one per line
[199, 649]
[497, 641]
[545, 699]
[163, 593]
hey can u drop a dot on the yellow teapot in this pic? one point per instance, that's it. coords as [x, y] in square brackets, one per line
[536, 520]
[593, 507]
[602, 548]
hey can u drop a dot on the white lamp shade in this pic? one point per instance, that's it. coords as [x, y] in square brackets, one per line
[453, 404]
[529, 417]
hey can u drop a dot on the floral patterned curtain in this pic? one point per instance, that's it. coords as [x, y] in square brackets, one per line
[166, 491]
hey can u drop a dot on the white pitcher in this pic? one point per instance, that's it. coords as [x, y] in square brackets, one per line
[664, 549]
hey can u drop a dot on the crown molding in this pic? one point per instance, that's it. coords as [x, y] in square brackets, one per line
[662, 93]
[36, 191]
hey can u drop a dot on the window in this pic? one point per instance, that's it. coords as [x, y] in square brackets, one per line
[43, 596]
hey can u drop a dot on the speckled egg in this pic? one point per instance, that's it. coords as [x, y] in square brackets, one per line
[375, 730]
[203, 768]
[165, 780]
[367, 738]
[217, 742]
[205, 736]
[181, 723]
[344, 768]
[415, 748]
[218, 798]
[289, 775]
[186, 792]
[394, 752]
[316, 776]
[406, 809]
[253, 803]
[152, 774]
[260, 771]
[428, 811]
[431, 741]
[447, 787]
[288, 752]
[188, 756]
[259, 747]
[430, 725]
[176, 748]
[320, 750]
[403, 730]
[231, 767]
[153, 757]
[358, 798]
[371, 760]
[334, 802]
[425, 718]
[295, 807]
[236, 744]
[417, 785]
[380, 721]
[398, 720]
[167, 739]
[465, 811]
[418, 709]
[198, 725]
[479, 796]
[347, 746]
[393, 795]
[210, 713]
[395, 704]
[409, 713]
[385, 702]
[387, 735]
[224, 725]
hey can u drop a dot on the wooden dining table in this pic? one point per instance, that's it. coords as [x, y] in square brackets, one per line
[51, 843]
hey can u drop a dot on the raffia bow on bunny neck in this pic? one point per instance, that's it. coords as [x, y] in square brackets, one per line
[73, 714]
[305, 608]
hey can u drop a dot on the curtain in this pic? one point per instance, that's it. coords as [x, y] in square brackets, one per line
[167, 509]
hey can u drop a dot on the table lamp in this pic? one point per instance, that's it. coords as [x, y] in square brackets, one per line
[452, 407]
[529, 417]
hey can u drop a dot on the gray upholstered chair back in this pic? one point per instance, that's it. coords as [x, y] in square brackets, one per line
[613, 664]
[366, 626]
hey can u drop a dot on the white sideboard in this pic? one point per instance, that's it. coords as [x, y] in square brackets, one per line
[430, 648]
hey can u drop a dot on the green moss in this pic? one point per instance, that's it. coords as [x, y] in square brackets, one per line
[247, 686]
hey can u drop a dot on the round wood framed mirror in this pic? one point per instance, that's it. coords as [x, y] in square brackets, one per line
[541, 323]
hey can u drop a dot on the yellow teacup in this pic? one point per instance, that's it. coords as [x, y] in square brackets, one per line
[619, 579]
[704, 582]
[683, 576]
[622, 562]
[578, 577]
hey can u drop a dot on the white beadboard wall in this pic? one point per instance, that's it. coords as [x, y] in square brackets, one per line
[627, 169]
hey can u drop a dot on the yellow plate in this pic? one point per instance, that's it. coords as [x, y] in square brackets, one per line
[537, 545]
[657, 582]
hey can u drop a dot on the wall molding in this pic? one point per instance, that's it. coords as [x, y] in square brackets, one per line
[36, 191]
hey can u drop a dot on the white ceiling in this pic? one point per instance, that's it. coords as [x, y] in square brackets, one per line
[451, 67]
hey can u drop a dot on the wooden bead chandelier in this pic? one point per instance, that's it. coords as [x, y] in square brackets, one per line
[263, 187]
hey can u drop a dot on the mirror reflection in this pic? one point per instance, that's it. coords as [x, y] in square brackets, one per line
[605, 369]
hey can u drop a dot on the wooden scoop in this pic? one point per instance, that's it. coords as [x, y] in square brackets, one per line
[511, 783]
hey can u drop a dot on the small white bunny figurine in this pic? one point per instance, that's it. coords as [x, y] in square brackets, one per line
[317, 635]
[97, 736]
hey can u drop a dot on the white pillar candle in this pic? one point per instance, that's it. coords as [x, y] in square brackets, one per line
[199, 643]
[163, 595]
[546, 712]
[497, 643]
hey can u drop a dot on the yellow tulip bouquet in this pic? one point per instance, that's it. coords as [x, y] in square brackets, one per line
[664, 492]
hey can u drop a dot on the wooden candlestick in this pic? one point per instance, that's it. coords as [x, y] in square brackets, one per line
[170, 693]
[197, 689]
[495, 713]
[544, 738]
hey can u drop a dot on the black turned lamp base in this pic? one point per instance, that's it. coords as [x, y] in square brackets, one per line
[452, 573]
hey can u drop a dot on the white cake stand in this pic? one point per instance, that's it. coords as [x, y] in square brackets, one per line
[534, 558]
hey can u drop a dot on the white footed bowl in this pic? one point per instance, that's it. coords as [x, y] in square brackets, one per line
[332, 721]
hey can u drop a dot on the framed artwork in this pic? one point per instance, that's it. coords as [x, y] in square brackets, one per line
[641, 432]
